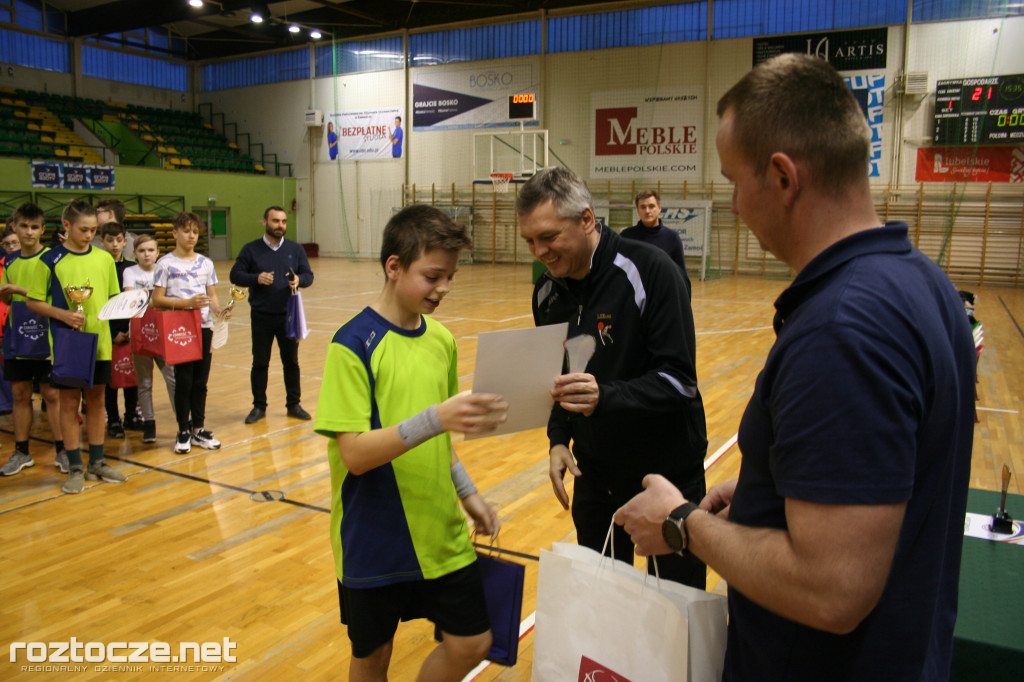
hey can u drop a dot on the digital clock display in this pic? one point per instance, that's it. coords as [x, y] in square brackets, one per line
[985, 110]
[521, 106]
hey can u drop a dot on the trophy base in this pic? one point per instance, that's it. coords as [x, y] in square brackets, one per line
[1002, 523]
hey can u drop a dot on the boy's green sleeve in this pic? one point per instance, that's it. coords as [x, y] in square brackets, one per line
[344, 405]
[37, 280]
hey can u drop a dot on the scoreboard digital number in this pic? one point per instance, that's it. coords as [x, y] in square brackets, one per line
[986, 110]
[522, 106]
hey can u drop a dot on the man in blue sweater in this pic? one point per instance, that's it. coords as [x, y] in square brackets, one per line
[271, 266]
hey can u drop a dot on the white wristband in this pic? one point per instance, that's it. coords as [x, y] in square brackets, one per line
[420, 428]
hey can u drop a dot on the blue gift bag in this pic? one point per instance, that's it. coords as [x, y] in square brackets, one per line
[295, 320]
[26, 336]
[74, 357]
[503, 590]
[6, 397]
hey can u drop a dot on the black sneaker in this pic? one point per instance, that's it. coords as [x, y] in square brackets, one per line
[134, 423]
[115, 430]
[205, 439]
[148, 431]
[183, 445]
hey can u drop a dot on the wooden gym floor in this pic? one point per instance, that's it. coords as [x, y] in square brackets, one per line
[190, 550]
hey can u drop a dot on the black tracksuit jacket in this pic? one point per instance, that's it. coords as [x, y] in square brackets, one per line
[650, 416]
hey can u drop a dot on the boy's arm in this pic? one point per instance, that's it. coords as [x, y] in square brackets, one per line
[8, 290]
[464, 412]
[211, 293]
[68, 317]
[485, 520]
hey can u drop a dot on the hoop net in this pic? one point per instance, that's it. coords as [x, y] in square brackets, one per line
[501, 182]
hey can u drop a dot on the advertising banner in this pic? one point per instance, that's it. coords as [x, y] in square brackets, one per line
[845, 50]
[637, 134]
[450, 99]
[58, 175]
[970, 164]
[366, 135]
[869, 89]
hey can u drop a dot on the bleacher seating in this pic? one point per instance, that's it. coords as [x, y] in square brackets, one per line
[33, 131]
[39, 125]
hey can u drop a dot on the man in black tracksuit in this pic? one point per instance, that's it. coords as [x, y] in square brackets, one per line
[636, 409]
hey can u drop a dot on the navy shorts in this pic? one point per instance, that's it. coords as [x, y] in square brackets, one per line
[100, 376]
[27, 369]
[454, 602]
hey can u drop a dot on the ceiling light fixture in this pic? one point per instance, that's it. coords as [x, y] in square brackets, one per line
[260, 13]
[315, 34]
[294, 28]
[196, 3]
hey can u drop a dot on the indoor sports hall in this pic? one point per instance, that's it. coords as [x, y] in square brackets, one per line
[368, 106]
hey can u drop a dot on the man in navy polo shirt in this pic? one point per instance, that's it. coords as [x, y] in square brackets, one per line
[841, 538]
[271, 267]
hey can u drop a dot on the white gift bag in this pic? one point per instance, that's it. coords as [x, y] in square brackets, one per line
[596, 615]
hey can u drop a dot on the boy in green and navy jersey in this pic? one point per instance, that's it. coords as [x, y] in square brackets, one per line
[389, 398]
[22, 362]
[77, 263]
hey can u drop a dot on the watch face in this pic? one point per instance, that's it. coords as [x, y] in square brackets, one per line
[673, 536]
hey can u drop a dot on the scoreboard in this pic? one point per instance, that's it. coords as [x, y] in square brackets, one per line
[522, 106]
[985, 110]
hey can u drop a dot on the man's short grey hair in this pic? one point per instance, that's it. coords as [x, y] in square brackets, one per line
[560, 186]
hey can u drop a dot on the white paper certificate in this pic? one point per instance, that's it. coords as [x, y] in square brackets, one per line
[521, 366]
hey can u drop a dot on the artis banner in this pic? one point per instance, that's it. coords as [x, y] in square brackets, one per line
[56, 175]
[845, 50]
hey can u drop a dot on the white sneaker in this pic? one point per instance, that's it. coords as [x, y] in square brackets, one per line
[183, 445]
[205, 439]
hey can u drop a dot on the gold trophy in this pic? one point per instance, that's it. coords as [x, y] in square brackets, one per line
[220, 325]
[236, 295]
[79, 295]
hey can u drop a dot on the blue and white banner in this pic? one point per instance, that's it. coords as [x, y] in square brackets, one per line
[365, 135]
[58, 175]
[869, 89]
[450, 99]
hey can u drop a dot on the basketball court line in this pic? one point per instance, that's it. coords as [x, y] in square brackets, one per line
[1012, 318]
[996, 409]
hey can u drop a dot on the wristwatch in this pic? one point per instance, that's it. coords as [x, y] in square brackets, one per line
[673, 528]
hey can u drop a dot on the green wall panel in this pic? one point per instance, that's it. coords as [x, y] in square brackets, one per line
[246, 195]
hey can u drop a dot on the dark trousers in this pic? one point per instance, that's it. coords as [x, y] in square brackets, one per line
[131, 402]
[593, 507]
[265, 328]
[190, 380]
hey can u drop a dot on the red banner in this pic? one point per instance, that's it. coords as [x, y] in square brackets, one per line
[970, 164]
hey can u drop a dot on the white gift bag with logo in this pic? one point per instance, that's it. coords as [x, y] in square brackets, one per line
[596, 616]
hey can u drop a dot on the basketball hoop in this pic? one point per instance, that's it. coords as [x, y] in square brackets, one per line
[501, 182]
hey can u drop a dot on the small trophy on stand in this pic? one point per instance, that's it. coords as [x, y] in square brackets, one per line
[220, 326]
[1001, 521]
[79, 295]
[237, 294]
